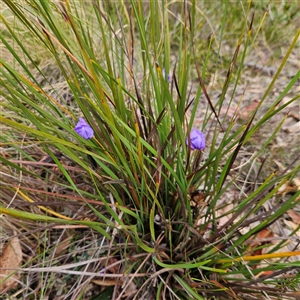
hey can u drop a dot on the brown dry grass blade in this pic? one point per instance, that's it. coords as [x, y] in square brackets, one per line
[154, 127]
[205, 93]
[262, 216]
[52, 38]
[233, 61]
[228, 291]
[237, 149]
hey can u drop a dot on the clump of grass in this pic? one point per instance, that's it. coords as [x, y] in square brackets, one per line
[137, 207]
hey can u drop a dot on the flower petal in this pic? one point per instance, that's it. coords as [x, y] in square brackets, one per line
[84, 129]
[196, 141]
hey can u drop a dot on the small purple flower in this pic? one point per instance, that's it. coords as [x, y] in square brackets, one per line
[168, 78]
[196, 141]
[84, 129]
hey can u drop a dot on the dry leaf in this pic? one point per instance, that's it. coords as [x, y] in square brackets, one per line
[248, 110]
[290, 186]
[292, 226]
[296, 182]
[108, 282]
[131, 288]
[230, 112]
[62, 246]
[292, 128]
[11, 259]
[263, 234]
[294, 216]
[223, 214]
[264, 273]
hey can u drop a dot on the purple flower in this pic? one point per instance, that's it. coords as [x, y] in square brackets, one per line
[168, 78]
[196, 141]
[84, 129]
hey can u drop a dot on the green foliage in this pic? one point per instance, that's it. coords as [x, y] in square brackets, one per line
[114, 59]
